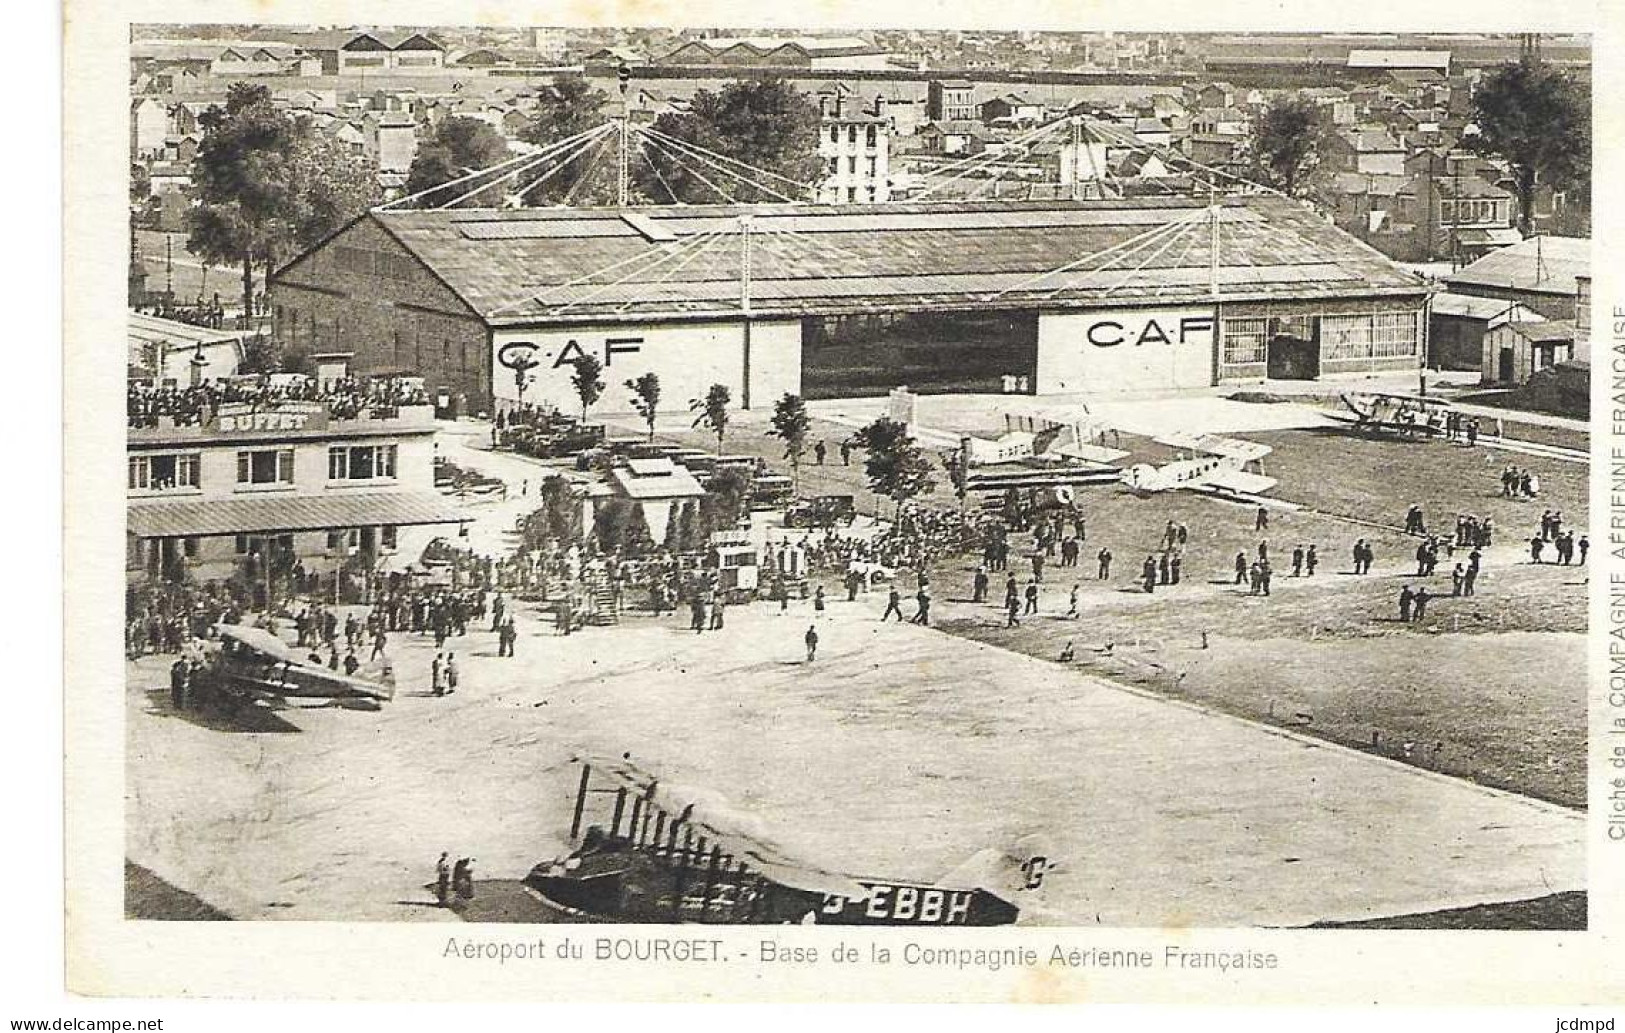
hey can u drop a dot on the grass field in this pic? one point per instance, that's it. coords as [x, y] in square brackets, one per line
[1326, 655]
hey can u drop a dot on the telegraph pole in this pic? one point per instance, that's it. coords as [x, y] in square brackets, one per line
[623, 161]
[744, 304]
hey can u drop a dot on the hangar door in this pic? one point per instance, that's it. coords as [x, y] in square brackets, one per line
[930, 352]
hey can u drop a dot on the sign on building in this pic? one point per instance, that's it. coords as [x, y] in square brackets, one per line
[1126, 349]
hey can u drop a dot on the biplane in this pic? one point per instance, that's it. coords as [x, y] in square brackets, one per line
[253, 666]
[667, 853]
[1381, 412]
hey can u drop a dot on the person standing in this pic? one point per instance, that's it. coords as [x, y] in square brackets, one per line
[1264, 575]
[978, 592]
[1458, 578]
[437, 675]
[1584, 545]
[1261, 520]
[1174, 563]
[1104, 557]
[442, 880]
[846, 453]
[1297, 561]
[1032, 598]
[1537, 545]
[818, 600]
[1163, 571]
[819, 451]
[451, 673]
[716, 612]
[1012, 609]
[1406, 597]
[1421, 603]
[922, 607]
[1310, 560]
[811, 639]
[1072, 603]
[180, 678]
[1148, 573]
[894, 600]
[1241, 568]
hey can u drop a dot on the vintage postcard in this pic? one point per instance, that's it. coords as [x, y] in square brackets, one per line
[1034, 503]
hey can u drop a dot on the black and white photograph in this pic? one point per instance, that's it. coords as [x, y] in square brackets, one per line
[1076, 480]
[907, 478]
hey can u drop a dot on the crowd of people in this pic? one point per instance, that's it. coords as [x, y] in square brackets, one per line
[344, 397]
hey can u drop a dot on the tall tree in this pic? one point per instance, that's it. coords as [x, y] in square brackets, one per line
[711, 412]
[243, 181]
[571, 105]
[765, 123]
[588, 384]
[1537, 119]
[1285, 147]
[791, 424]
[896, 467]
[458, 146]
[646, 398]
[266, 184]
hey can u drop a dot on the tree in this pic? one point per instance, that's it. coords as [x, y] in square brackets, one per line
[571, 106]
[896, 467]
[589, 387]
[559, 517]
[266, 184]
[1285, 148]
[1538, 120]
[791, 424]
[711, 412]
[646, 398]
[620, 527]
[765, 123]
[724, 500]
[243, 181]
[458, 146]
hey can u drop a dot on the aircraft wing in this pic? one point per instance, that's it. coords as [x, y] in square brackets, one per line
[297, 676]
[1234, 480]
[738, 833]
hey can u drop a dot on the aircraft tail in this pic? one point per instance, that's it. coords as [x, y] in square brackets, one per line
[1011, 872]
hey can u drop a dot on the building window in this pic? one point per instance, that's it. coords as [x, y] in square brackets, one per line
[245, 545]
[1393, 335]
[340, 539]
[190, 546]
[871, 168]
[265, 466]
[1246, 341]
[387, 537]
[870, 137]
[164, 472]
[361, 462]
[1385, 335]
[835, 134]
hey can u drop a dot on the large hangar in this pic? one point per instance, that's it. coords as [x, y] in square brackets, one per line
[1111, 296]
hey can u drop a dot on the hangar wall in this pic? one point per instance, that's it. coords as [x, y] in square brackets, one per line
[688, 357]
[1126, 350]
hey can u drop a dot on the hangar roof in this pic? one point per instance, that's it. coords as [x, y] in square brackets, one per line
[528, 266]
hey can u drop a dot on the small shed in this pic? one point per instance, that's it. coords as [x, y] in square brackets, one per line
[1517, 350]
